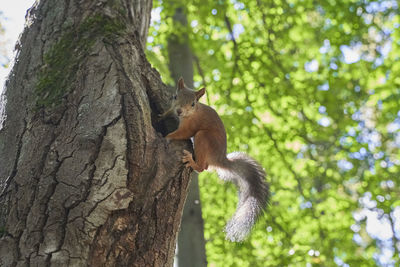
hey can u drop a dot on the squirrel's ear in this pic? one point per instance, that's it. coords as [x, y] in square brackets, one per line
[200, 93]
[181, 83]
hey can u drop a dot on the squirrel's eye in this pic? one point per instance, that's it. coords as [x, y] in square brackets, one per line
[193, 104]
[175, 97]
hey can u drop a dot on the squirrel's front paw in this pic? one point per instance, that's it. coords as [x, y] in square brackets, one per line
[187, 158]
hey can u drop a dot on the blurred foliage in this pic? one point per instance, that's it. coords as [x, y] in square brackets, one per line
[312, 90]
[4, 60]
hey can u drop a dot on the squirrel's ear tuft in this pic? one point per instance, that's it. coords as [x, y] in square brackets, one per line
[181, 83]
[200, 93]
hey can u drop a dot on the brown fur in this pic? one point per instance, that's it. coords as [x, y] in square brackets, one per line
[203, 123]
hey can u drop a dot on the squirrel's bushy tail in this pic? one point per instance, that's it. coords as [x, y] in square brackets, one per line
[249, 177]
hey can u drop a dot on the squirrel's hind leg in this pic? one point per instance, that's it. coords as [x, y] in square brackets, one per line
[188, 159]
[202, 148]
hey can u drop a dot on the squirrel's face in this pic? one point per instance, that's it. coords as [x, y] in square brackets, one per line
[185, 101]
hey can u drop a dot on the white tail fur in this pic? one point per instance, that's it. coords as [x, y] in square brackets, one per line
[249, 178]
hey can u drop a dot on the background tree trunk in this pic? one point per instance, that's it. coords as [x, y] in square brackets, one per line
[85, 177]
[191, 243]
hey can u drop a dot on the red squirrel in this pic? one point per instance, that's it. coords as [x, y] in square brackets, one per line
[203, 123]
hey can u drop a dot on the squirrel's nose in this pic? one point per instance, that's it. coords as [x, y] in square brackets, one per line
[179, 111]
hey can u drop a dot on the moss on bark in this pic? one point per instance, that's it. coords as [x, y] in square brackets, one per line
[63, 58]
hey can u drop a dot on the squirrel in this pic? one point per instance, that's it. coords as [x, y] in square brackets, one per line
[203, 123]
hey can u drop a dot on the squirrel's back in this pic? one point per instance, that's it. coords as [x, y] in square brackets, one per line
[210, 135]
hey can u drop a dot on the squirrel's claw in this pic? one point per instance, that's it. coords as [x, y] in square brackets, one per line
[188, 165]
[187, 158]
[187, 153]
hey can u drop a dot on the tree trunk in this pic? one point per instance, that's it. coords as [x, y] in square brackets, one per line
[191, 243]
[86, 179]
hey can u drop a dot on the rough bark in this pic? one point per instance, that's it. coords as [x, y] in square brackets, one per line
[191, 243]
[86, 177]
